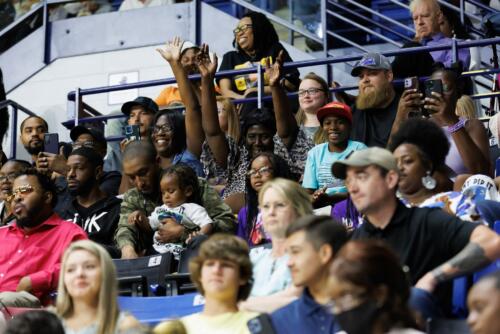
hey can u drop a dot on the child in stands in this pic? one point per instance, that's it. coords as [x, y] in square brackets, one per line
[181, 201]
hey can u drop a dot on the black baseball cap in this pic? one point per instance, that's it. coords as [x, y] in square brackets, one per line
[141, 101]
[80, 129]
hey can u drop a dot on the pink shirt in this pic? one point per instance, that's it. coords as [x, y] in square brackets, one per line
[37, 254]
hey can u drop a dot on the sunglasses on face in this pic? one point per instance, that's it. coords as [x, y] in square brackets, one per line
[242, 28]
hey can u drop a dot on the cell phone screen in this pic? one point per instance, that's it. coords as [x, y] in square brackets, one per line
[51, 143]
[433, 86]
[133, 132]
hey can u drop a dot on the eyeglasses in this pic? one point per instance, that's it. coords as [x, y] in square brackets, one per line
[23, 190]
[263, 171]
[242, 28]
[87, 144]
[9, 177]
[310, 91]
[165, 128]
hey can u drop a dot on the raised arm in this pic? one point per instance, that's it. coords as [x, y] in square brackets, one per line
[216, 138]
[470, 139]
[286, 124]
[194, 132]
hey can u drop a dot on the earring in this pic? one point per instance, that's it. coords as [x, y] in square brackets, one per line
[428, 181]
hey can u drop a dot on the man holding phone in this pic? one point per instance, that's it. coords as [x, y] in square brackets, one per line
[140, 113]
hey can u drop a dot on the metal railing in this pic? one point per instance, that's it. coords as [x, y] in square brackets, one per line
[13, 128]
[259, 69]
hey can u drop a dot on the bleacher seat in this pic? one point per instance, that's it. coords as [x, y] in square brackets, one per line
[444, 326]
[179, 283]
[152, 310]
[143, 276]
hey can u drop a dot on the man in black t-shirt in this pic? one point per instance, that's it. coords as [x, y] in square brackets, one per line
[435, 246]
[90, 207]
[376, 105]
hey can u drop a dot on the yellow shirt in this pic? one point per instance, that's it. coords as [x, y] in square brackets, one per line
[227, 323]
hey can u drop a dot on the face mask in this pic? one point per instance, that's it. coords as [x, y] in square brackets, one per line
[360, 319]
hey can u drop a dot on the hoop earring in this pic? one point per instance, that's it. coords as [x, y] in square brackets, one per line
[428, 181]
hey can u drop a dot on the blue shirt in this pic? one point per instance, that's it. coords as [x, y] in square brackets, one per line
[318, 171]
[446, 56]
[191, 160]
[304, 316]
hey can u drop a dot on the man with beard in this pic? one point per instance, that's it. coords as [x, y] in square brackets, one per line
[140, 166]
[9, 171]
[376, 105]
[32, 247]
[33, 130]
[91, 208]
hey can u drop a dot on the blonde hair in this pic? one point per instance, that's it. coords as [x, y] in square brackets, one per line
[233, 120]
[224, 247]
[292, 192]
[319, 136]
[465, 107]
[170, 327]
[107, 306]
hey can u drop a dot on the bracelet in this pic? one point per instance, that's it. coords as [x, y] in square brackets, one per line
[457, 126]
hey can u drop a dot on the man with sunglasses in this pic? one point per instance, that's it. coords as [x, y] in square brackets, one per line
[9, 171]
[33, 245]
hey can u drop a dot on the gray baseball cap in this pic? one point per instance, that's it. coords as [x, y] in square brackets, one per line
[368, 156]
[371, 60]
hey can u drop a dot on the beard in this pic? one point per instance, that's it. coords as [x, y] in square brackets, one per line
[376, 98]
[83, 188]
[34, 150]
[31, 219]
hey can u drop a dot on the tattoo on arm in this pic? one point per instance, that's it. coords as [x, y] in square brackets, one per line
[470, 259]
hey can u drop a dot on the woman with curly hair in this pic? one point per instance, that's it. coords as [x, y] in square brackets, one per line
[256, 41]
[420, 148]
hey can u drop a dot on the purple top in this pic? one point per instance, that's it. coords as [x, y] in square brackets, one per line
[446, 56]
[257, 235]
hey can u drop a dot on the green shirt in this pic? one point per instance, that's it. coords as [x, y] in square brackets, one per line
[133, 200]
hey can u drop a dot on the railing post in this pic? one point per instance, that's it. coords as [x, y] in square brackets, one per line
[324, 27]
[46, 34]
[462, 11]
[77, 105]
[291, 33]
[454, 49]
[260, 86]
[197, 22]
[13, 131]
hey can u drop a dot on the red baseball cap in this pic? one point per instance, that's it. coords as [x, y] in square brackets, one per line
[335, 109]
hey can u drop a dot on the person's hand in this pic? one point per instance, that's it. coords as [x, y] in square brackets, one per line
[24, 284]
[128, 252]
[172, 50]
[319, 194]
[50, 162]
[206, 66]
[169, 231]
[428, 282]
[410, 100]
[124, 143]
[139, 219]
[439, 108]
[249, 91]
[275, 71]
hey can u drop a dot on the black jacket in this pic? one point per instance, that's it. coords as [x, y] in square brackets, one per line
[99, 221]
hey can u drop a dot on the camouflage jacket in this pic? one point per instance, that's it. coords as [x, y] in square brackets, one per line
[126, 234]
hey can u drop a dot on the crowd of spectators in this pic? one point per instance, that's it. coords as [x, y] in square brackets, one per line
[354, 214]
